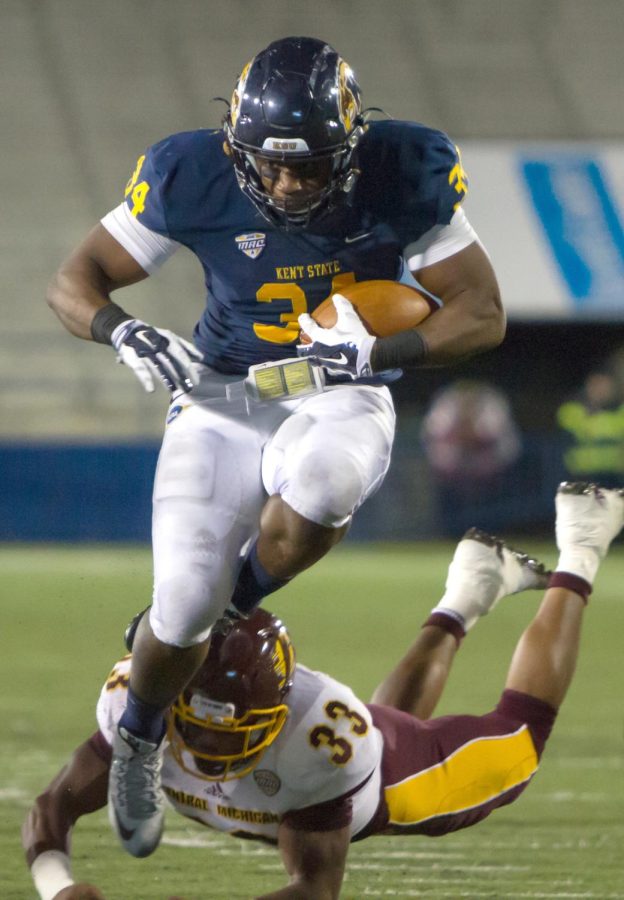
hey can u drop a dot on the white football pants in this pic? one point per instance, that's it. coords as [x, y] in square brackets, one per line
[220, 459]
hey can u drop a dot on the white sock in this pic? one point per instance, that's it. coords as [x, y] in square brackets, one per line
[580, 561]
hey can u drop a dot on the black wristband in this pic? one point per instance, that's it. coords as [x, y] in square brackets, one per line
[106, 320]
[407, 348]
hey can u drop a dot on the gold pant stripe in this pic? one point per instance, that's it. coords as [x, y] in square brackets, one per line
[474, 774]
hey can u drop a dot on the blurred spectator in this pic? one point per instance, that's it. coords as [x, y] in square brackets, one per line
[592, 425]
[471, 441]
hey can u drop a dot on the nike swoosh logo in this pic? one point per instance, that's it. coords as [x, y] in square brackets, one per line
[357, 237]
[125, 833]
[341, 360]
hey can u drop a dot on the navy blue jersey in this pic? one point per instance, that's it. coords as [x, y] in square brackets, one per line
[259, 279]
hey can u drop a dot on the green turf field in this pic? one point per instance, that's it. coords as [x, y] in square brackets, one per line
[63, 615]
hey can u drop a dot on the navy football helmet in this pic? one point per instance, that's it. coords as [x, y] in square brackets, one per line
[234, 706]
[297, 103]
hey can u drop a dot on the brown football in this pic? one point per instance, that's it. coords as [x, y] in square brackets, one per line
[385, 307]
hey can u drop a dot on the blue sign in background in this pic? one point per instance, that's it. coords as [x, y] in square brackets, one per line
[581, 222]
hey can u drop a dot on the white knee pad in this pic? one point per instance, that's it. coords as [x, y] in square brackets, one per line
[181, 613]
[325, 488]
[331, 454]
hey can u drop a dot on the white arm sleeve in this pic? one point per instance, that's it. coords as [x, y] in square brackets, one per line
[440, 241]
[146, 246]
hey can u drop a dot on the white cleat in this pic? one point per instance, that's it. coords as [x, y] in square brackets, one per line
[483, 571]
[588, 516]
[136, 801]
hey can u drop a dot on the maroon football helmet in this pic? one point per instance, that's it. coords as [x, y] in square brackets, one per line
[234, 707]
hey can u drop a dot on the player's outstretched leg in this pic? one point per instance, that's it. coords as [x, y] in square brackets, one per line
[483, 571]
[588, 518]
[287, 544]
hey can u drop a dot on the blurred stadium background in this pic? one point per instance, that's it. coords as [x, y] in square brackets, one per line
[531, 91]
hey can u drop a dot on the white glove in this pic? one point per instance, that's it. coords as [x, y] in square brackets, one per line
[150, 351]
[343, 350]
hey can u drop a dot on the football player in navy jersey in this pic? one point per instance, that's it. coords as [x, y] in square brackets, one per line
[267, 456]
[260, 747]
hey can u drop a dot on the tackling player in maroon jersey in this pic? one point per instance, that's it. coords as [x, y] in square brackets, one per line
[260, 747]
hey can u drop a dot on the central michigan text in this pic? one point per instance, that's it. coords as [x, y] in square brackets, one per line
[258, 817]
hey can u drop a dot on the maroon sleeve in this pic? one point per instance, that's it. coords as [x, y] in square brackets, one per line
[101, 747]
[537, 714]
[328, 816]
